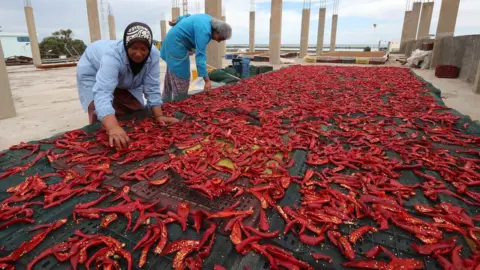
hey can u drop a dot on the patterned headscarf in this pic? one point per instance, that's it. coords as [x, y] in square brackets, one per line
[137, 31]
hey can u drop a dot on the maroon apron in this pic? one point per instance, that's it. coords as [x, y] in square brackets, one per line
[123, 103]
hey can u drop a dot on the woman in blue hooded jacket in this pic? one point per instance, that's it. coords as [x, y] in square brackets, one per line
[189, 32]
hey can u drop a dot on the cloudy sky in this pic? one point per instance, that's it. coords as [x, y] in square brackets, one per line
[355, 26]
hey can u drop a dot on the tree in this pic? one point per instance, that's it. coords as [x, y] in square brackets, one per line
[61, 42]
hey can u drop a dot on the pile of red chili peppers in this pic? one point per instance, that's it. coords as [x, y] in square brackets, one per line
[368, 132]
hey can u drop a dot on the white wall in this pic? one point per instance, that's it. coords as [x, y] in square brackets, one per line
[11, 47]
[394, 46]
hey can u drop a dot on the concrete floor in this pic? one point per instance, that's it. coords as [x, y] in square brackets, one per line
[47, 101]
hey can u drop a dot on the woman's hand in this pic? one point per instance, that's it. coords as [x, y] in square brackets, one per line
[166, 119]
[118, 138]
[208, 85]
[158, 115]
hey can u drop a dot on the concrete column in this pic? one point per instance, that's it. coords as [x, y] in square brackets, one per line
[251, 40]
[93, 20]
[275, 32]
[111, 27]
[175, 13]
[476, 85]
[214, 49]
[7, 108]
[321, 30]
[163, 29]
[425, 20]
[304, 32]
[406, 26]
[448, 18]
[32, 34]
[223, 44]
[415, 16]
[446, 27]
[333, 37]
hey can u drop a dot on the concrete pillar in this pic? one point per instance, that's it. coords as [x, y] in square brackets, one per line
[415, 16]
[446, 27]
[93, 20]
[223, 44]
[275, 32]
[304, 32]
[448, 18]
[32, 34]
[175, 13]
[214, 49]
[333, 37]
[163, 29]
[406, 27]
[251, 40]
[321, 30]
[7, 108]
[111, 27]
[476, 85]
[425, 20]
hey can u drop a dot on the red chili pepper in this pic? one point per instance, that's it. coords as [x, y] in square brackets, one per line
[366, 264]
[457, 261]
[159, 182]
[284, 255]
[346, 248]
[218, 267]
[311, 240]
[163, 239]
[183, 209]
[373, 252]
[430, 249]
[318, 256]
[263, 223]
[108, 219]
[198, 217]
[245, 242]
[123, 194]
[156, 231]
[26, 247]
[236, 234]
[32, 147]
[208, 233]
[263, 234]
[224, 214]
[358, 233]
[61, 247]
[178, 245]
[92, 203]
[15, 221]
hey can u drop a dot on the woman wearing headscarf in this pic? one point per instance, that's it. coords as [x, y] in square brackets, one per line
[113, 77]
[189, 32]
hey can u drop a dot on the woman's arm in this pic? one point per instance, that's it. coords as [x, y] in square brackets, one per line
[106, 82]
[202, 38]
[151, 89]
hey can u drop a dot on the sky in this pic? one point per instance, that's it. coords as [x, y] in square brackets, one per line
[355, 23]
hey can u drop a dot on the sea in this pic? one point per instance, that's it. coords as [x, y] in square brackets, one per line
[311, 47]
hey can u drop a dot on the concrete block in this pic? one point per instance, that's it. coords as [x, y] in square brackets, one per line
[7, 108]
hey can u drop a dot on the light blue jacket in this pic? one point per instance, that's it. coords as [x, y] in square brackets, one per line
[190, 32]
[104, 66]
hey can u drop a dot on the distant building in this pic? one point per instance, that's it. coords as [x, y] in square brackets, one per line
[394, 46]
[15, 44]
